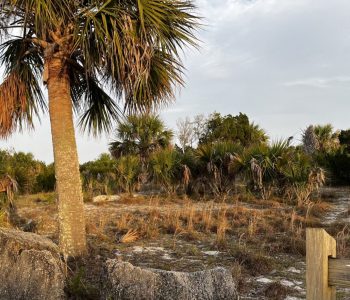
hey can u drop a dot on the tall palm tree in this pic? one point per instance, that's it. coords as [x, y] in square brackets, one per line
[78, 48]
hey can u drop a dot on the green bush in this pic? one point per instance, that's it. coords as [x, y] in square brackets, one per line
[128, 170]
[165, 168]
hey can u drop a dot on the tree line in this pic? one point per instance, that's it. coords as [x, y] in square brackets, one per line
[213, 155]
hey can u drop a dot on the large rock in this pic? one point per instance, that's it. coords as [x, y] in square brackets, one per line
[124, 281]
[30, 267]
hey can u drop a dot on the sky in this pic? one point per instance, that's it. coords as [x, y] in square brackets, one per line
[285, 63]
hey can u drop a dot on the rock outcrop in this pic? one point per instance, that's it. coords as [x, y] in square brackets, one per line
[124, 281]
[30, 267]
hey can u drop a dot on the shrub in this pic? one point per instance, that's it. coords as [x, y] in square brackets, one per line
[165, 168]
[128, 172]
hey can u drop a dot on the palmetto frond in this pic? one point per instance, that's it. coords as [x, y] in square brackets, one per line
[97, 109]
[130, 46]
[20, 93]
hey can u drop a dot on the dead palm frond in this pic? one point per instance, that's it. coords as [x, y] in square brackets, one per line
[130, 237]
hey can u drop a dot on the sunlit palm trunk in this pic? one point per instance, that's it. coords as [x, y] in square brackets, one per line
[72, 235]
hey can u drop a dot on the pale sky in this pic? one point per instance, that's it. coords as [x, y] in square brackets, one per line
[285, 63]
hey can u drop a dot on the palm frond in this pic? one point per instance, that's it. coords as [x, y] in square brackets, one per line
[99, 109]
[132, 46]
[20, 93]
[42, 16]
[137, 44]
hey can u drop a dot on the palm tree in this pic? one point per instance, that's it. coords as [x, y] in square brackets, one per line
[327, 138]
[320, 138]
[78, 48]
[165, 168]
[128, 171]
[141, 135]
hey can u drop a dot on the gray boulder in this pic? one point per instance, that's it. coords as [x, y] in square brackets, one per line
[30, 267]
[124, 281]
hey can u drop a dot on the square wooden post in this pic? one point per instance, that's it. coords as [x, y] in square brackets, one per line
[319, 246]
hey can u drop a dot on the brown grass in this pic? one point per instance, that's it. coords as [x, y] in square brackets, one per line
[207, 217]
[222, 227]
[343, 239]
[271, 226]
[130, 237]
[254, 262]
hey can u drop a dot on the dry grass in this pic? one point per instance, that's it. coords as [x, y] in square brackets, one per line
[97, 227]
[255, 262]
[130, 237]
[172, 222]
[252, 225]
[343, 239]
[207, 217]
[4, 222]
[274, 227]
[314, 209]
[239, 276]
[222, 227]
[188, 215]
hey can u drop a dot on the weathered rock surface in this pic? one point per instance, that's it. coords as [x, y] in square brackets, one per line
[124, 281]
[105, 198]
[30, 267]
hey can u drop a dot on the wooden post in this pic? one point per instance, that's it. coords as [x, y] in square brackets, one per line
[319, 247]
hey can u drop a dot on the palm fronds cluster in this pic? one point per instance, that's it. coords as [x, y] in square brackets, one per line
[131, 47]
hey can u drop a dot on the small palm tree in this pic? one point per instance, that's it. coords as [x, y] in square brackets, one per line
[77, 49]
[166, 168]
[328, 139]
[301, 177]
[262, 164]
[320, 137]
[128, 171]
[216, 168]
[141, 135]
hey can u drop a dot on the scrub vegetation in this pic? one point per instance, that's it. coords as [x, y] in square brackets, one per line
[228, 197]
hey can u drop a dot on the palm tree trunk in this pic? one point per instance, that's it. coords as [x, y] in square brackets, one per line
[72, 236]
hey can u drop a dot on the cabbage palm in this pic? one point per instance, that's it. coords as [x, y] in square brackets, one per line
[327, 138]
[216, 165]
[140, 135]
[128, 171]
[165, 168]
[78, 48]
[262, 165]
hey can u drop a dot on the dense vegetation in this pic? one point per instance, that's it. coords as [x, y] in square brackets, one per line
[217, 155]
[32, 175]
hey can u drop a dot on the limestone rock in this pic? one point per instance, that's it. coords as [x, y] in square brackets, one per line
[30, 267]
[124, 281]
[105, 198]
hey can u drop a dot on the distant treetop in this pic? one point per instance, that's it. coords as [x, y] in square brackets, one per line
[237, 129]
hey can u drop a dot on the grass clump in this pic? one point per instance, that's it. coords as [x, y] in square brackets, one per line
[276, 291]
[254, 262]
